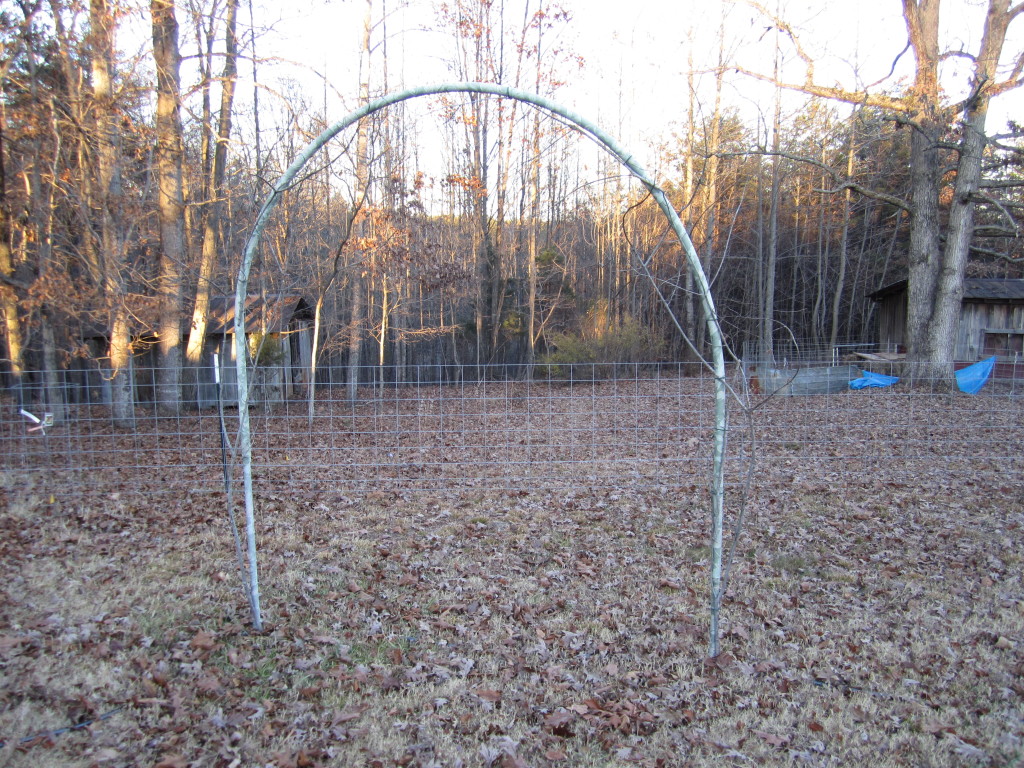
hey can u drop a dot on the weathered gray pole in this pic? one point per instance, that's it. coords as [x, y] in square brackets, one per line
[627, 159]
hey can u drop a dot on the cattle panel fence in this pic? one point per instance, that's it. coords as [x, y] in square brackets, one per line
[586, 428]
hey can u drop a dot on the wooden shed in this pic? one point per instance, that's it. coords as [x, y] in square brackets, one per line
[991, 322]
[279, 332]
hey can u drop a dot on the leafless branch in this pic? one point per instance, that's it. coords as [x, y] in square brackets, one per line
[893, 67]
[862, 97]
[860, 189]
[783, 26]
[997, 255]
[843, 184]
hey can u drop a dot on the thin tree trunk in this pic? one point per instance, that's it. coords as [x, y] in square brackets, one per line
[768, 311]
[690, 323]
[215, 201]
[711, 205]
[357, 280]
[382, 341]
[355, 340]
[837, 296]
[531, 349]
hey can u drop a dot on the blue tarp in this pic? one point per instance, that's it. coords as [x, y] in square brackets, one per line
[973, 377]
[970, 379]
[869, 379]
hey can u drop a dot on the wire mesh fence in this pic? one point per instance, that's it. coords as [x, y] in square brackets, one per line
[794, 353]
[579, 427]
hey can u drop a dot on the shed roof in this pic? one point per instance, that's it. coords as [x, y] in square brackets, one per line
[975, 289]
[272, 311]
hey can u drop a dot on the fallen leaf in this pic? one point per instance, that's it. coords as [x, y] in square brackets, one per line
[209, 684]
[347, 716]
[203, 641]
[558, 723]
[771, 738]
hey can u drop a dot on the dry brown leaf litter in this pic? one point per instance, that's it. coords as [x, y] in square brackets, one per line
[875, 618]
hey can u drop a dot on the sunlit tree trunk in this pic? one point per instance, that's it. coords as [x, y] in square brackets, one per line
[690, 322]
[9, 300]
[215, 201]
[109, 207]
[8, 294]
[712, 240]
[9, 305]
[170, 201]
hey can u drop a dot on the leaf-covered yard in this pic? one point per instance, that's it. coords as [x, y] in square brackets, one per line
[875, 617]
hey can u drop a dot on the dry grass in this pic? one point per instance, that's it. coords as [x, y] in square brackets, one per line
[876, 616]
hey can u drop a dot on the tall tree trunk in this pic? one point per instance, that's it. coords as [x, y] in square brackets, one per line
[837, 296]
[385, 318]
[357, 280]
[922, 17]
[109, 206]
[170, 200]
[531, 349]
[768, 310]
[8, 295]
[711, 182]
[534, 172]
[691, 352]
[215, 201]
[821, 261]
[9, 300]
[942, 330]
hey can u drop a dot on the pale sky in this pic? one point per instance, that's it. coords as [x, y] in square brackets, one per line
[634, 79]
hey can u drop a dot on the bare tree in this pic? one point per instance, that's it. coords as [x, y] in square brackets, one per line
[9, 299]
[937, 258]
[170, 199]
[214, 203]
[109, 195]
[357, 278]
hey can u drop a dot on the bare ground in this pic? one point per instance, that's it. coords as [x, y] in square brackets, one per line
[535, 594]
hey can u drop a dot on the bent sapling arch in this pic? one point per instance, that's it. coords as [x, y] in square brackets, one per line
[717, 364]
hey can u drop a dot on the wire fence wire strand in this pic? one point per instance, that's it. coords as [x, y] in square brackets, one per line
[598, 428]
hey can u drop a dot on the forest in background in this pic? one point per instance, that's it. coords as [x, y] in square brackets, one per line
[127, 193]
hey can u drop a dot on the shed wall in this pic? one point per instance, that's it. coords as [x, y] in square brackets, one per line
[978, 317]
